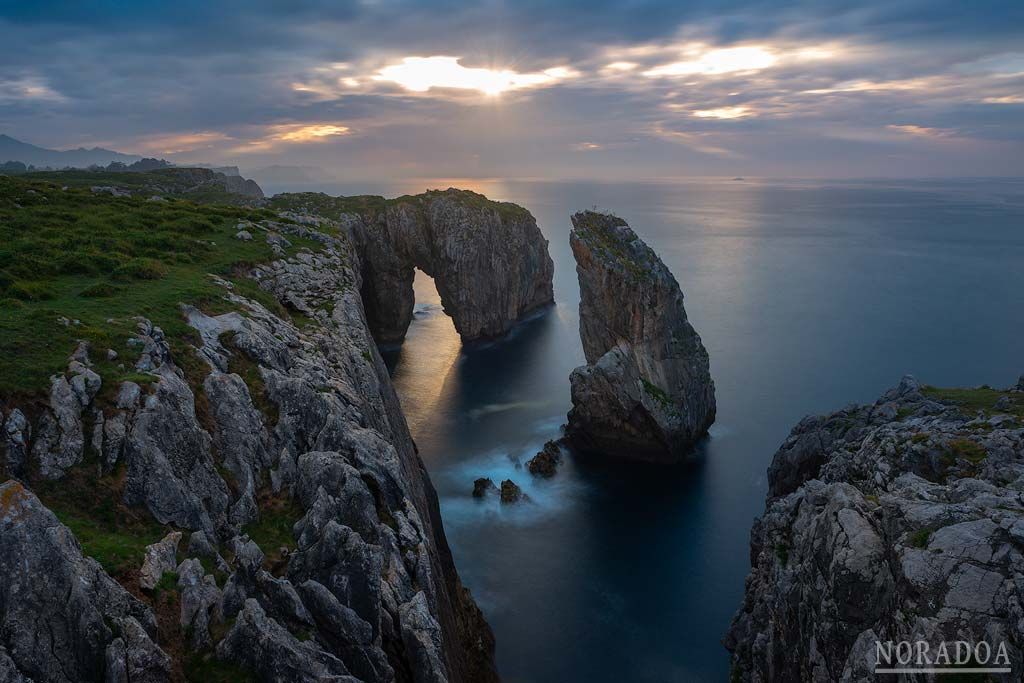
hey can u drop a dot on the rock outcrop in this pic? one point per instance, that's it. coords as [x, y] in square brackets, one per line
[62, 618]
[300, 424]
[489, 260]
[646, 391]
[900, 520]
[545, 463]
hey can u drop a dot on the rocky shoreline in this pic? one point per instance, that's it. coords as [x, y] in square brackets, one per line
[902, 520]
[271, 418]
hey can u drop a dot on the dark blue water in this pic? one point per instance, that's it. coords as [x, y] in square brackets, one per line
[808, 295]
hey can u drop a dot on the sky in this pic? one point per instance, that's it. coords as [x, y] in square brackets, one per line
[640, 89]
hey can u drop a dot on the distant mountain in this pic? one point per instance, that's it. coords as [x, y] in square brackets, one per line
[16, 150]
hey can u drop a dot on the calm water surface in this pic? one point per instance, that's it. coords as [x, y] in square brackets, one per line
[808, 295]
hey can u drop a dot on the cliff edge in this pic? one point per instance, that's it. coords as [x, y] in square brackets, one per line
[896, 521]
[224, 488]
[646, 391]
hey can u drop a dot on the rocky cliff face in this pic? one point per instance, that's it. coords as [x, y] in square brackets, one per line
[489, 261]
[646, 391]
[272, 420]
[900, 520]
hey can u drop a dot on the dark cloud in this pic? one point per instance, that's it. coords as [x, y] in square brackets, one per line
[912, 78]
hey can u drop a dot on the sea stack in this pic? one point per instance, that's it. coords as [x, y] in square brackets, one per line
[646, 390]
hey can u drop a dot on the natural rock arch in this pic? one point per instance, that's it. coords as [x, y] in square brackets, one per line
[489, 261]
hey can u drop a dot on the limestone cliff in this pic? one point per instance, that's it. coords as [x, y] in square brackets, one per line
[900, 520]
[646, 391]
[489, 260]
[281, 418]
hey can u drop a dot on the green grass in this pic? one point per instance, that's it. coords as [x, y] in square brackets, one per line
[204, 667]
[194, 184]
[970, 401]
[920, 538]
[90, 505]
[93, 258]
[168, 583]
[965, 449]
[273, 530]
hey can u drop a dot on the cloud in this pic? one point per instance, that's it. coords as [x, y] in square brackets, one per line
[778, 87]
[179, 142]
[724, 113]
[278, 135]
[924, 131]
[28, 89]
[718, 61]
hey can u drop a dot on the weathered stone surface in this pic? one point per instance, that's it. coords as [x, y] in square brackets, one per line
[58, 609]
[483, 487]
[160, 558]
[489, 261]
[545, 463]
[170, 466]
[266, 648]
[16, 435]
[899, 520]
[240, 439]
[134, 658]
[646, 391]
[60, 439]
[200, 602]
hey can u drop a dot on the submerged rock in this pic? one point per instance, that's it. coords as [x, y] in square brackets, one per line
[511, 493]
[483, 486]
[646, 391]
[545, 463]
[899, 520]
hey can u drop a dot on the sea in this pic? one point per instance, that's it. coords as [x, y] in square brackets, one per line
[808, 294]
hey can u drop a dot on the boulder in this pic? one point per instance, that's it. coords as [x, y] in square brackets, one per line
[511, 493]
[545, 463]
[483, 487]
[160, 559]
[646, 391]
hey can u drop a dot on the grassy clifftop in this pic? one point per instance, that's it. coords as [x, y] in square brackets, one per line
[75, 264]
[371, 205]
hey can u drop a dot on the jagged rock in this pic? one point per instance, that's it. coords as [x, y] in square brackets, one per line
[545, 463]
[17, 433]
[898, 520]
[489, 261]
[483, 486]
[160, 558]
[8, 671]
[200, 602]
[240, 440]
[422, 637]
[347, 634]
[646, 391]
[263, 646]
[170, 467]
[511, 493]
[243, 235]
[134, 658]
[58, 607]
[60, 439]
